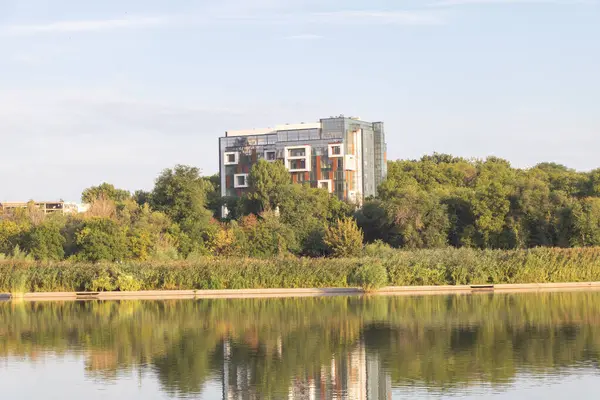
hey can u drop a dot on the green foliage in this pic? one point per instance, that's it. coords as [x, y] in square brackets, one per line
[103, 283]
[266, 181]
[181, 194]
[45, 242]
[128, 283]
[344, 238]
[376, 222]
[20, 255]
[104, 191]
[378, 249]
[305, 209]
[413, 268]
[488, 204]
[268, 237]
[431, 203]
[101, 239]
[371, 275]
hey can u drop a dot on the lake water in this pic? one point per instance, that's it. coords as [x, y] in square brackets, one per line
[501, 346]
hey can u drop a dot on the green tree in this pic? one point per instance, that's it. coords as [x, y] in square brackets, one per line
[344, 238]
[181, 194]
[104, 191]
[213, 194]
[267, 180]
[45, 242]
[269, 236]
[586, 222]
[420, 220]
[376, 222]
[101, 239]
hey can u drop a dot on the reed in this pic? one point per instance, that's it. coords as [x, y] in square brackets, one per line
[398, 268]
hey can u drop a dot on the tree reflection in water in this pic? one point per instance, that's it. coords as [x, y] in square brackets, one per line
[344, 347]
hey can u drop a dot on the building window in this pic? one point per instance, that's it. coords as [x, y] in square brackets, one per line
[297, 153]
[335, 150]
[231, 158]
[297, 164]
[240, 181]
[270, 155]
[298, 158]
[326, 184]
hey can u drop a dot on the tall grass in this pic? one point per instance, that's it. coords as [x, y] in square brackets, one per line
[411, 268]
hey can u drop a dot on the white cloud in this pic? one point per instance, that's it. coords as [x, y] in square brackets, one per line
[85, 26]
[453, 3]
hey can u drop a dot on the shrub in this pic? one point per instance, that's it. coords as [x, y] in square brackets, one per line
[103, 283]
[128, 283]
[344, 238]
[370, 276]
[379, 249]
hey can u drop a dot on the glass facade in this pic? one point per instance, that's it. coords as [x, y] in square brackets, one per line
[345, 156]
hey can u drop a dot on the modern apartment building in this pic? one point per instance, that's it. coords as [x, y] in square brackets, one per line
[346, 156]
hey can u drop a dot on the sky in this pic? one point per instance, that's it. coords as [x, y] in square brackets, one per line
[118, 90]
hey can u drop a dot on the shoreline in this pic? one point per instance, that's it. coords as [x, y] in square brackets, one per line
[308, 292]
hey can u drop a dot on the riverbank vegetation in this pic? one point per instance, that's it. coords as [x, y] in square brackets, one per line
[387, 267]
[435, 202]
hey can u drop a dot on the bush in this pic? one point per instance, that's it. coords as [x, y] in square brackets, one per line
[127, 283]
[370, 276]
[379, 249]
[344, 238]
[103, 283]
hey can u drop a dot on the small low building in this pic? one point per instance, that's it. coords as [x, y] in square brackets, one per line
[48, 207]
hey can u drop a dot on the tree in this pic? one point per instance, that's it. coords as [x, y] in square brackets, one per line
[267, 180]
[101, 239]
[10, 233]
[269, 236]
[375, 222]
[586, 222]
[307, 210]
[104, 191]
[491, 207]
[45, 242]
[420, 220]
[180, 193]
[344, 238]
[213, 194]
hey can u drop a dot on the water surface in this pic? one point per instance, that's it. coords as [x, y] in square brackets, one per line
[517, 346]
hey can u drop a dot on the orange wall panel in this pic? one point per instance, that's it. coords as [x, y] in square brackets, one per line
[319, 168]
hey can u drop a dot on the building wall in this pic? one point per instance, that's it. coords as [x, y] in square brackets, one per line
[353, 176]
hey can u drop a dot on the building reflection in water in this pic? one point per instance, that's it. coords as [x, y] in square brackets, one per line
[355, 375]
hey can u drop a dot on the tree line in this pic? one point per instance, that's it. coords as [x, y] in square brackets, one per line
[434, 202]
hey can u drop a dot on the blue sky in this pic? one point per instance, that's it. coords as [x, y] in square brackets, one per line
[117, 90]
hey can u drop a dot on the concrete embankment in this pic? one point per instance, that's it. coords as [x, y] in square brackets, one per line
[275, 293]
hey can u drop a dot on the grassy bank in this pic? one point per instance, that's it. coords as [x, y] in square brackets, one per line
[379, 268]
